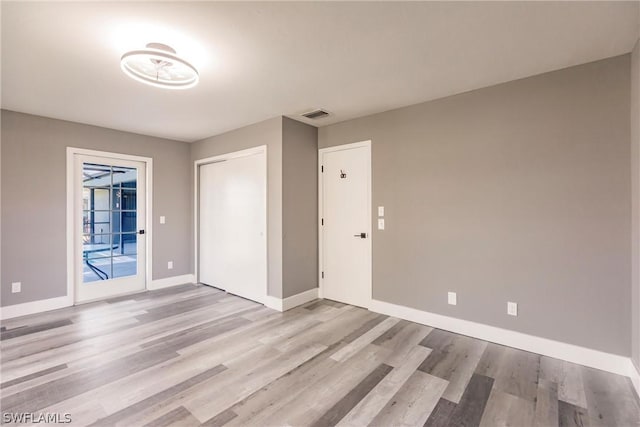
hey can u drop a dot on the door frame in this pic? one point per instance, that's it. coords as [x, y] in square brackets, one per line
[261, 149]
[361, 144]
[71, 176]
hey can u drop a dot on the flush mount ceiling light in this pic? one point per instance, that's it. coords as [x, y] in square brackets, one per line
[158, 65]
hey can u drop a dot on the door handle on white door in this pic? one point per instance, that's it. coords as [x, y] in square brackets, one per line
[361, 235]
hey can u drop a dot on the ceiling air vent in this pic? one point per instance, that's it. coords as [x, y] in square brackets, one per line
[316, 114]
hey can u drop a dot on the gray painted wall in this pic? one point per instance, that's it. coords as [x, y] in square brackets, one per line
[34, 200]
[635, 191]
[516, 192]
[299, 207]
[269, 133]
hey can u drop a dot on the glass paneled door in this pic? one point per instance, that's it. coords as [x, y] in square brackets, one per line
[110, 241]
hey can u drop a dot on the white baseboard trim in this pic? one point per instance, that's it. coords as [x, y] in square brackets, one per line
[40, 306]
[273, 303]
[34, 307]
[571, 353]
[171, 281]
[634, 374]
[299, 299]
[292, 301]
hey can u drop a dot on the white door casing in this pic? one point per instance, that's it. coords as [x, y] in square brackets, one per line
[85, 292]
[232, 225]
[345, 212]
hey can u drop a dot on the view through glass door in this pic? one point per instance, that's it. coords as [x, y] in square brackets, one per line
[111, 199]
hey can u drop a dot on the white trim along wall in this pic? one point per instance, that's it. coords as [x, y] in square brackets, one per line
[614, 363]
[171, 281]
[40, 306]
[292, 301]
[33, 307]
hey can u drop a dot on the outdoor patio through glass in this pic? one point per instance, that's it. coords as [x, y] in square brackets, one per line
[109, 223]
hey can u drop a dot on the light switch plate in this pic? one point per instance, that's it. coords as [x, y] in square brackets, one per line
[170, 265]
[380, 223]
[16, 287]
[512, 308]
[380, 210]
[452, 298]
[162, 220]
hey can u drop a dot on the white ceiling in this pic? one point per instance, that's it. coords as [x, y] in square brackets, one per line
[260, 60]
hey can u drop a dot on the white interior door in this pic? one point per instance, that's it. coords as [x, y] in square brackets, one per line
[346, 224]
[232, 225]
[110, 244]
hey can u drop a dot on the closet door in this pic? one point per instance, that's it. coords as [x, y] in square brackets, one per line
[232, 217]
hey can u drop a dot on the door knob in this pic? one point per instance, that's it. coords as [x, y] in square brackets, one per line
[361, 235]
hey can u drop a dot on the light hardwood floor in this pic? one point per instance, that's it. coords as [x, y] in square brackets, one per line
[194, 355]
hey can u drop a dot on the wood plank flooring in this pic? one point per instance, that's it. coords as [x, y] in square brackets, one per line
[193, 355]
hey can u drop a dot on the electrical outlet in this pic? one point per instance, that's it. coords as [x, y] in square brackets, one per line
[380, 223]
[162, 220]
[170, 265]
[380, 210]
[16, 287]
[512, 308]
[452, 298]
